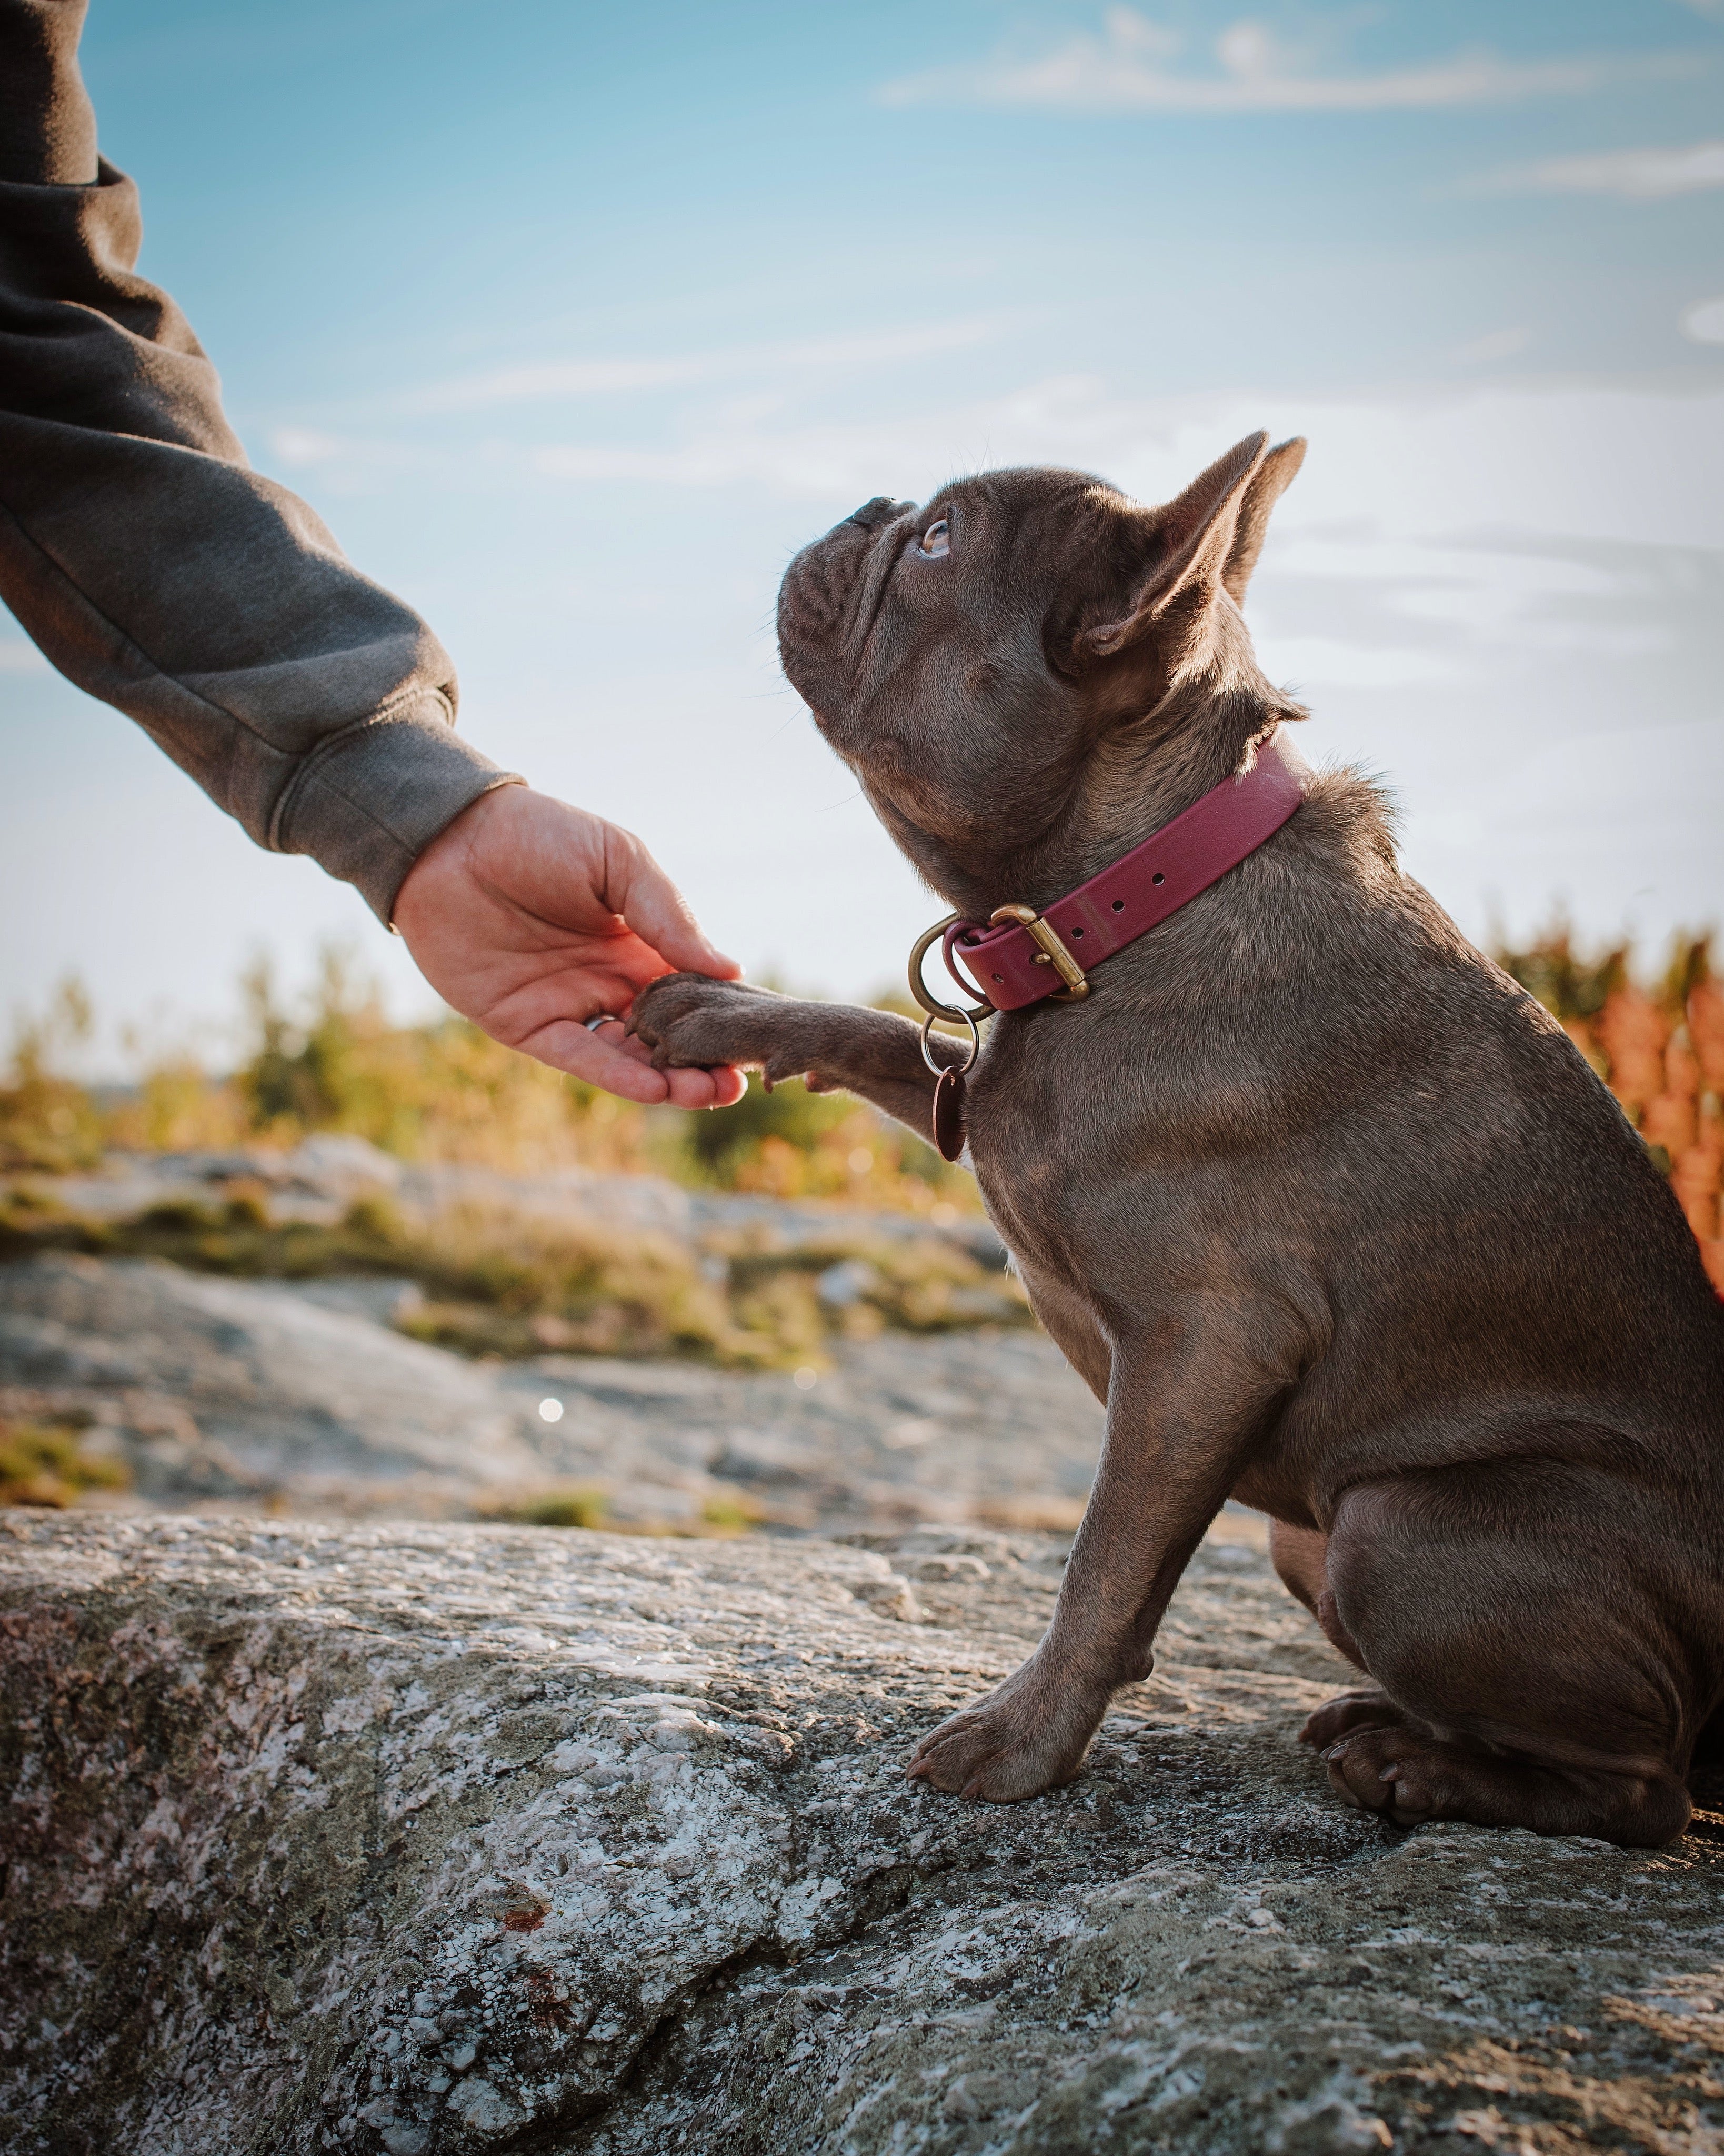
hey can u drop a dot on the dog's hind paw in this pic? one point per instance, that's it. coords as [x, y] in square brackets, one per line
[1365, 1709]
[1392, 1771]
[1409, 1777]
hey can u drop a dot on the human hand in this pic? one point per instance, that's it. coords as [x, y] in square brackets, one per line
[528, 916]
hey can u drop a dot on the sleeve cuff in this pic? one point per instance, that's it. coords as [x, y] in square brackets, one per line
[368, 800]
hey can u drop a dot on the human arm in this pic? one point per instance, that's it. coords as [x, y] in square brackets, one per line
[161, 574]
[152, 564]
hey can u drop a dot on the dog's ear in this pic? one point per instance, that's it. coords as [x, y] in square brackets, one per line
[1263, 490]
[1208, 538]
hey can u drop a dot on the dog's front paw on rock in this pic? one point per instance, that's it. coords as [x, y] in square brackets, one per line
[1001, 1751]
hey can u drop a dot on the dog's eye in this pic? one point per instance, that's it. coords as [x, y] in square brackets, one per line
[936, 540]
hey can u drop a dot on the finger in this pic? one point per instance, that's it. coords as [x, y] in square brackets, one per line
[720, 1087]
[695, 1088]
[605, 1059]
[569, 1048]
[657, 912]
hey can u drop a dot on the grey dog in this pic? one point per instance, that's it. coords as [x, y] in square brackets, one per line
[1327, 1211]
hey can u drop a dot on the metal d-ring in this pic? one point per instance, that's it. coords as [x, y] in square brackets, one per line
[918, 988]
[939, 1069]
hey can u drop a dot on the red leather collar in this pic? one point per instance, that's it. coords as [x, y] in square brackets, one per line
[1015, 967]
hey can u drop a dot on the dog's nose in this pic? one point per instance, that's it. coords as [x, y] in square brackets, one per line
[880, 511]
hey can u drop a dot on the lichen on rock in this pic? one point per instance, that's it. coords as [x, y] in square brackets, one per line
[425, 1838]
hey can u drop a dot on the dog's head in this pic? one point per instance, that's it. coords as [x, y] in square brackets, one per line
[970, 656]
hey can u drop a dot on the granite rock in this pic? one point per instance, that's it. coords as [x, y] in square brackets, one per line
[422, 1838]
[277, 1395]
[298, 1397]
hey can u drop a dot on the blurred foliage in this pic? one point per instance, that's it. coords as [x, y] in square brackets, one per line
[1576, 985]
[447, 1093]
[555, 1508]
[1660, 1047]
[178, 1109]
[439, 1092]
[45, 1465]
[728, 1513]
[503, 1283]
[1568, 985]
[47, 1120]
[792, 1144]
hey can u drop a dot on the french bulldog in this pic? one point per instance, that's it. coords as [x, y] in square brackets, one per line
[1327, 1211]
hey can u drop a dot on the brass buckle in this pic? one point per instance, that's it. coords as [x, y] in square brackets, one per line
[918, 987]
[1051, 951]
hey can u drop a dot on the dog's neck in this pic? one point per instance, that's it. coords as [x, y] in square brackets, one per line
[1138, 777]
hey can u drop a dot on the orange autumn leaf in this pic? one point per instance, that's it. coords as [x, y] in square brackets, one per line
[1670, 1121]
[1706, 1030]
[1633, 1032]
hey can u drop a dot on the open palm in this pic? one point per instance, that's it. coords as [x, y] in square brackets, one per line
[529, 917]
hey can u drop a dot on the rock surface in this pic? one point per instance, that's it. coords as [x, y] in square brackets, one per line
[299, 1398]
[427, 1838]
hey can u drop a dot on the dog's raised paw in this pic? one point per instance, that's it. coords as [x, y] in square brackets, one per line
[689, 1018]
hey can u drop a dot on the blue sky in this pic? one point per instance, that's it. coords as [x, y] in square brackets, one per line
[575, 322]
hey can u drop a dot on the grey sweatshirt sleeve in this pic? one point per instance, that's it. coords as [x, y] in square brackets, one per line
[152, 566]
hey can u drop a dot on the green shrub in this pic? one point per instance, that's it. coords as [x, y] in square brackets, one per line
[556, 1508]
[47, 1120]
[46, 1466]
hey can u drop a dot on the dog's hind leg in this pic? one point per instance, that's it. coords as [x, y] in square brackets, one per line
[1301, 1556]
[1518, 1612]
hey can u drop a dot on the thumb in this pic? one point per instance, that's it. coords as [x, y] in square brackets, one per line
[661, 917]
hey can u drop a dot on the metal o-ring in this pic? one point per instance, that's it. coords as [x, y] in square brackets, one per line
[918, 987]
[939, 1069]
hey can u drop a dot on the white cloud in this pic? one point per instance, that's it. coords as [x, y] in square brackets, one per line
[306, 445]
[1705, 323]
[1131, 67]
[1499, 344]
[599, 378]
[1638, 466]
[1637, 174]
[1434, 540]
[347, 464]
[1481, 596]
